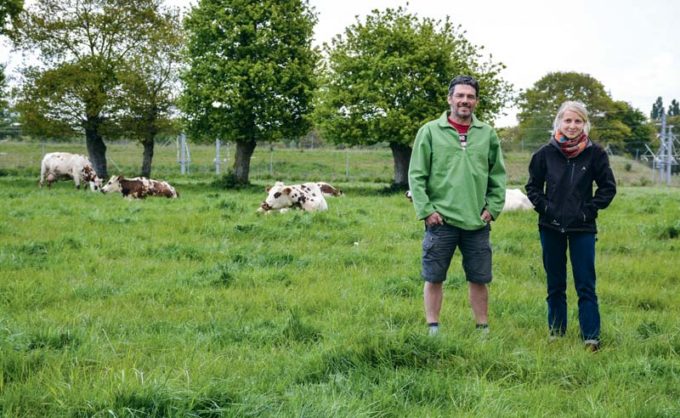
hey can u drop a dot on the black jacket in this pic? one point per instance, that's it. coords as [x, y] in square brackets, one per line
[561, 189]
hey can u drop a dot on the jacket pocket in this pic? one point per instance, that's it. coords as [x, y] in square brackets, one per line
[550, 217]
[431, 238]
[589, 212]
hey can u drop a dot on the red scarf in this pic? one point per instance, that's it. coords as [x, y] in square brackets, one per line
[571, 148]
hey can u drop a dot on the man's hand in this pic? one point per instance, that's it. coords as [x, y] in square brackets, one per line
[486, 216]
[434, 219]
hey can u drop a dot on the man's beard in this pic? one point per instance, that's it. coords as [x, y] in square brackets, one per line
[465, 116]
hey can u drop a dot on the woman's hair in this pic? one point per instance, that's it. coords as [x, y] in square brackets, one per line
[576, 107]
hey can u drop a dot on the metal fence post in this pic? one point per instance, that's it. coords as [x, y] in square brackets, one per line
[217, 156]
[271, 160]
[182, 154]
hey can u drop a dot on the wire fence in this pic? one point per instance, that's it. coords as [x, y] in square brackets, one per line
[171, 159]
[279, 161]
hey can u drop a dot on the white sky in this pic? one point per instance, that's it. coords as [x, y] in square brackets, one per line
[630, 46]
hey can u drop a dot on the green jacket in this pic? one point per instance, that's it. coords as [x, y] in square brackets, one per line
[456, 182]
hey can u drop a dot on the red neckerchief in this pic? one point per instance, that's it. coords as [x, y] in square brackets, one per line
[571, 148]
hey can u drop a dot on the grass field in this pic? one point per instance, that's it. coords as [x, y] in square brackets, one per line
[199, 307]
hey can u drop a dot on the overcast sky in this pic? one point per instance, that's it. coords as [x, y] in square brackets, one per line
[630, 46]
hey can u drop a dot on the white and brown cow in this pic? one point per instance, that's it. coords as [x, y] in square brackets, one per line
[515, 199]
[307, 196]
[139, 187]
[56, 165]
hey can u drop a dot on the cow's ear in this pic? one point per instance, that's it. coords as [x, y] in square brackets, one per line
[267, 189]
[287, 190]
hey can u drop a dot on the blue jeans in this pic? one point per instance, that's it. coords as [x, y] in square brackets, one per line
[582, 254]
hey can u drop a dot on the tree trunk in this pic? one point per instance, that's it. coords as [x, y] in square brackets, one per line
[244, 150]
[149, 139]
[96, 147]
[148, 144]
[402, 156]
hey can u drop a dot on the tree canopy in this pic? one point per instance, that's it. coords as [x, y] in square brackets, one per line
[9, 15]
[641, 132]
[539, 104]
[81, 46]
[250, 74]
[149, 86]
[615, 123]
[386, 76]
[657, 109]
[5, 119]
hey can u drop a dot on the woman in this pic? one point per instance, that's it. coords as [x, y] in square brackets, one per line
[561, 176]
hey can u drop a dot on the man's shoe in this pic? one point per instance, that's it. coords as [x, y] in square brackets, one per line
[592, 345]
[483, 329]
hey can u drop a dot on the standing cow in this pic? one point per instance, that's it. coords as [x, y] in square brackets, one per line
[139, 187]
[56, 165]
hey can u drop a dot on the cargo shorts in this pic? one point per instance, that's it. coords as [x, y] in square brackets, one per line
[440, 243]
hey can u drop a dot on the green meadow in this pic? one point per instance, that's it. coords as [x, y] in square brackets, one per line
[200, 307]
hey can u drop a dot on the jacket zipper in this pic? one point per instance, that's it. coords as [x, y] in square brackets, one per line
[570, 165]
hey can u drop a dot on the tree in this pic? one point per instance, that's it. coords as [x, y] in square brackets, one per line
[641, 132]
[81, 44]
[5, 119]
[388, 75]
[657, 109]
[674, 108]
[615, 123]
[3, 89]
[149, 82]
[9, 14]
[539, 104]
[250, 73]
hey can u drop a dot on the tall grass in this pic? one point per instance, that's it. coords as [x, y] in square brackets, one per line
[199, 307]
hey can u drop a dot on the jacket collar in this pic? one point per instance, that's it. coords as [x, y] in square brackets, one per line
[443, 121]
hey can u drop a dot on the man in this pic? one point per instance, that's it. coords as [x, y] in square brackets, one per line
[457, 181]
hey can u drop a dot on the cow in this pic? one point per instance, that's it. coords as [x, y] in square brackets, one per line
[514, 200]
[56, 165]
[139, 187]
[309, 197]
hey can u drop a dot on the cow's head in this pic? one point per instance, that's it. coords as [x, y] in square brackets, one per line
[89, 175]
[96, 184]
[113, 185]
[278, 197]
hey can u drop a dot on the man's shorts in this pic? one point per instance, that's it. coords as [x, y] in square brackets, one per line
[440, 243]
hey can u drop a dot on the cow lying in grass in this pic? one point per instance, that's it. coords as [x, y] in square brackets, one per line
[139, 187]
[514, 200]
[308, 197]
[64, 165]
